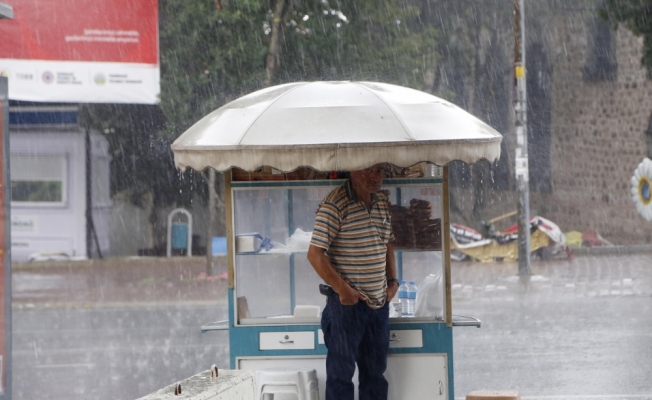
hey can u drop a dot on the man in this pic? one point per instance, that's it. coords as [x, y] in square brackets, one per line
[351, 251]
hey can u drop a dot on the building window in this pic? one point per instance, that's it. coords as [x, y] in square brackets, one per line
[38, 179]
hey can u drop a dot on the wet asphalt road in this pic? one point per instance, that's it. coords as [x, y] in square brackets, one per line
[111, 353]
[575, 330]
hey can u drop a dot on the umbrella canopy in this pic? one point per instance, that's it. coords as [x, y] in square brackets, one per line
[334, 126]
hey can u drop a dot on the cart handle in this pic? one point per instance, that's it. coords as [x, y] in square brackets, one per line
[222, 325]
[461, 320]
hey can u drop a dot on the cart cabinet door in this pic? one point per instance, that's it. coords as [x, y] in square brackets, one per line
[417, 376]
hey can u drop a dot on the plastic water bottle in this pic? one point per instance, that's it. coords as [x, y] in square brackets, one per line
[403, 298]
[411, 299]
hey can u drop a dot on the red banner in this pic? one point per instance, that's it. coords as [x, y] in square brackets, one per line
[81, 30]
[81, 50]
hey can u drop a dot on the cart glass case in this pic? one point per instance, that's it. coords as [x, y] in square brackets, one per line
[274, 301]
[273, 222]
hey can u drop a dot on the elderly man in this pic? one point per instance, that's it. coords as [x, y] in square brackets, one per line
[351, 251]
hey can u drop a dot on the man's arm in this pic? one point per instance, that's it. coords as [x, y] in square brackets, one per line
[390, 262]
[322, 265]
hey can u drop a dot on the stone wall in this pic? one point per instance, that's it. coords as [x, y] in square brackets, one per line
[589, 107]
[597, 132]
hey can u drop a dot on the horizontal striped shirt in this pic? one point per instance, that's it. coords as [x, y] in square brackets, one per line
[355, 240]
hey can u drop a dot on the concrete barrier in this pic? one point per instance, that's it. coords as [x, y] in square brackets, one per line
[229, 385]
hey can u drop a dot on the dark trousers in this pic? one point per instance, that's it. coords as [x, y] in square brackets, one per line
[355, 334]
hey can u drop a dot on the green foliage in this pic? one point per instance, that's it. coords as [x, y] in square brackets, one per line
[358, 40]
[636, 15]
[209, 57]
[141, 159]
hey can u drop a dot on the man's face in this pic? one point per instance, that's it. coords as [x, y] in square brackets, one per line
[368, 180]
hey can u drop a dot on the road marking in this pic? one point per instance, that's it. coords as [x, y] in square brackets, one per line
[79, 365]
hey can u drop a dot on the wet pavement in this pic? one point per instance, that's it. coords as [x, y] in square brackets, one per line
[578, 329]
[118, 282]
[582, 277]
[141, 281]
[123, 328]
[114, 329]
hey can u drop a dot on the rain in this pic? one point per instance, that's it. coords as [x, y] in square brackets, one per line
[142, 249]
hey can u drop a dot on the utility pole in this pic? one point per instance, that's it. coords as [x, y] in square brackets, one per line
[521, 159]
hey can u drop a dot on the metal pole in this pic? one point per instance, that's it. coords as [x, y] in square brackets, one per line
[91, 232]
[521, 166]
[89, 196]
[211, 221]
[5, 245]
[6, 12]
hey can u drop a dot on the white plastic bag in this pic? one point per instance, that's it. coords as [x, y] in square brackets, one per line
[430, 297]
[299, 241]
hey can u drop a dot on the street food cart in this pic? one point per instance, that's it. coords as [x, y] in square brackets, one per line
[282, 150]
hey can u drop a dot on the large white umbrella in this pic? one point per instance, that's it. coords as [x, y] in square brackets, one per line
[333, 126]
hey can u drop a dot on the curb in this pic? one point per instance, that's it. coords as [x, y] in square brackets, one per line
[611, 250]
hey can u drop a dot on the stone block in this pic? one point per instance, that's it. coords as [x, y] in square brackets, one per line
[229, 385]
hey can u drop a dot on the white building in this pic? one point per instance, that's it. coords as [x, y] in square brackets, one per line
[49, 184]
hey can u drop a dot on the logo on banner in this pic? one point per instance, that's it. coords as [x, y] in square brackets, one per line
[99, 79]
[48, 77]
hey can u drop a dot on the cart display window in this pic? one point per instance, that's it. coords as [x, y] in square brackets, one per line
[273, 222]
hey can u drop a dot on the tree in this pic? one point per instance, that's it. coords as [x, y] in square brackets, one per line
[210, 54]
[141, 159]
[213, 51]
[358, 40]
[636, 15]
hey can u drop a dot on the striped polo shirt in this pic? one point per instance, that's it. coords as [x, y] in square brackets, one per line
[355, 240]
